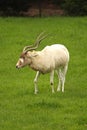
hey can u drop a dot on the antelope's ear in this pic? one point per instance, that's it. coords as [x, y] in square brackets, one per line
[32, 54]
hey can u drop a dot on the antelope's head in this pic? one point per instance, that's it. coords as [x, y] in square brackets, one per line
[26, 55]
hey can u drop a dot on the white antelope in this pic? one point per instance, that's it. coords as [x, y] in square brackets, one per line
[51, 58]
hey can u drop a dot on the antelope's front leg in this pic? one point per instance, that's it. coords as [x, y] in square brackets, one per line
[35, 82]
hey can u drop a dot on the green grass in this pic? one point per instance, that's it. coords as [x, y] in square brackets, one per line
[20, 109]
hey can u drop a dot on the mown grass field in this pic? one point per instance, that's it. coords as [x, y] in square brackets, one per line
[20, 109]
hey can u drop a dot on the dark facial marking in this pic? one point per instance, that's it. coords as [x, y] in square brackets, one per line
[23, 55]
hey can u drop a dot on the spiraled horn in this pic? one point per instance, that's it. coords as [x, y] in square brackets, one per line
[36, 44]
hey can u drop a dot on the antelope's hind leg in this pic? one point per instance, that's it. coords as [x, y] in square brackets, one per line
[51, 81]
[64, 71]
[61, 75]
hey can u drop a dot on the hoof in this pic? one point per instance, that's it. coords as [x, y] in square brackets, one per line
[58, 90]
[36, 92]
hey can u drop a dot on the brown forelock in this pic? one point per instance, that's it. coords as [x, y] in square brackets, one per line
[22, 55]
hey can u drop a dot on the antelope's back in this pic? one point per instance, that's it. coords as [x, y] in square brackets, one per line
[58, 52]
